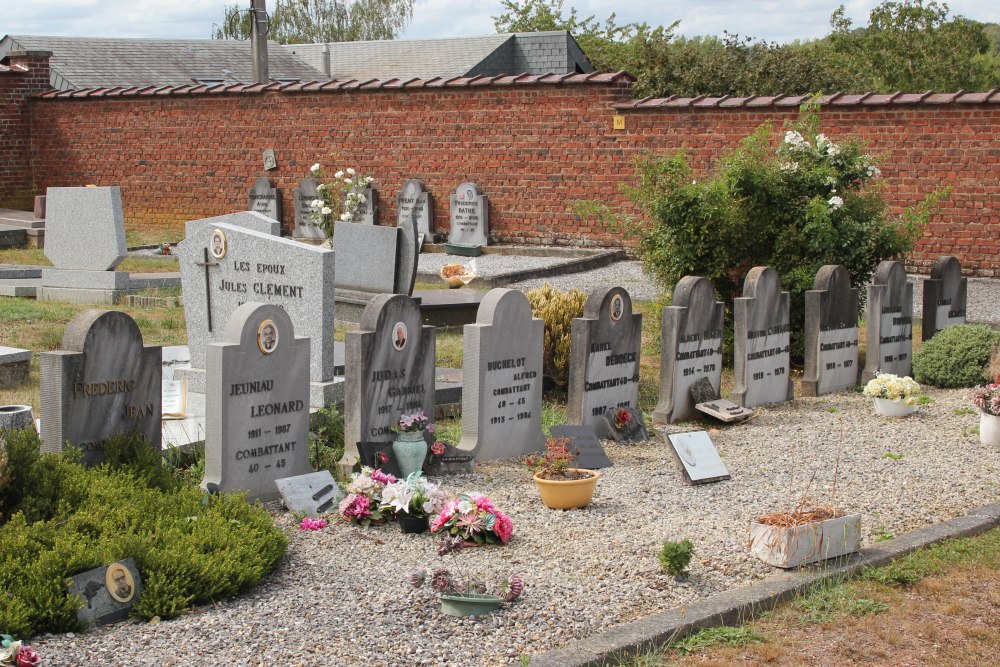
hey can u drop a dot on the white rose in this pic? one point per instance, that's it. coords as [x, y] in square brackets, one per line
[326, 210]
[350, 172]
[835, 202]
[339, 175]
[361, 199]
[314, 168]
[347, 181]
[315, 203]
[345, 217]
[321, 187]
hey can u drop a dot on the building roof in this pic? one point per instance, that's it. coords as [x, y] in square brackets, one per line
[80, 62]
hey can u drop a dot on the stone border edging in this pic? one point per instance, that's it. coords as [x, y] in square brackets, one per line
[596, 260]
[739, 605]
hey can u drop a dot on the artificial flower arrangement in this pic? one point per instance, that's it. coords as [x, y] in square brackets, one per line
[363, 503]
[414, 496]
[446, 583]
[14, 653]
[473, 518]
[893, 388]
[987, 399]
[347, 185]
[411, 423]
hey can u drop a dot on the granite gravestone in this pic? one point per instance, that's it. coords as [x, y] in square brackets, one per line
[264, 198]
[831, 333]
[389, 371]
[223, 267]
[889, 318]
[589, 453]
[414, 202]
[762, 337]
[306, 226]
[604, 358]
[944, 297]
[103, 382]
[256, 404]
[311, 494]
[257, 222]
[367, 213]
[107, 593]
[469, 217]
[378, 455]
[367, 257]
[502, 379]
[690, 348]
[408, 255]
[452, 461]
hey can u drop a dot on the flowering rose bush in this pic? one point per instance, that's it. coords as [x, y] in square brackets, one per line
[987, 399]
[346, 191]
[414, 496]
[363, 503]
[474, 518]
[894, 388]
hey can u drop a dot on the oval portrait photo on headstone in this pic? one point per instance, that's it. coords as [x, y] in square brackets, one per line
[120, 583]
[399, 336]
[219, 246]
[617, 307]
[267, 337]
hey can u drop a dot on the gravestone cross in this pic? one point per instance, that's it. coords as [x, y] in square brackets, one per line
[762, 341]
[889, 319]
[208, 285]
[831, 333]
[944, 297]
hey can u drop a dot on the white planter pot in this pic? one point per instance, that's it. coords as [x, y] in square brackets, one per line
[808, 543]
[890, 408]
[989, 430]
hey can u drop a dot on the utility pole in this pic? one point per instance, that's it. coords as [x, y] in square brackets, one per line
[258, 40]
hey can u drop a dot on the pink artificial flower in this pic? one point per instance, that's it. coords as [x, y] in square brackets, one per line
[437, 449]
[355, 506]
[312, 524]
[503, 527]
[471, 522]
[27, 657]
[485, 504]
[382, 478]
[430, 429]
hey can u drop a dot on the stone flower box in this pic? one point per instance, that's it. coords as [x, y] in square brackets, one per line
[793, 546]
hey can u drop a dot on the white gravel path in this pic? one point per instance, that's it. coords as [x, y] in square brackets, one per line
[340, 596]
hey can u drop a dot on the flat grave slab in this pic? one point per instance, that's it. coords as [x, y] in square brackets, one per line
[724, 410]
[313, 494]
[698, 457]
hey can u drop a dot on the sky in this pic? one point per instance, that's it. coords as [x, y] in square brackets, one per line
[192, 19]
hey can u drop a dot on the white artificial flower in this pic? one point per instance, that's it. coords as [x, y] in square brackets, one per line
[314, 168]
[339, 175]
[466, 506]
[835, 202]
[345, 217]
[315, 203]
[347, 181]
[326, 210]
[350, 172]
[321, 187]
[361, 198]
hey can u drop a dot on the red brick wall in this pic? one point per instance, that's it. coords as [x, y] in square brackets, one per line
[533, 149]
[23, 75]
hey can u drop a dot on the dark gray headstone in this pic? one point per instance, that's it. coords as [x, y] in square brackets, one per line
[502, 379]
[698, 457]
[306, 224]
[311, 494]
[604, 358]
[102, 382]
[762, 337]
[831, 333]
[257, 403]
[389, 371]
[583, 440]
[690, 348]
[379, 455]
[632, 428]
[944, 297]
[470, 212]
[107, 593]
[264, 198]
[889, 322]
[414, 201]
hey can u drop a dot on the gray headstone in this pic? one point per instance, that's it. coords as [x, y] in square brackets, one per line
[256, 403]
[85, 228]
[698, 457]
[303, 196]
[944, 297]
[15, 367]
[762, 337]
[223, 267]
[264, 198]
[470, 216]
[311, 494]
[604, 358]
[889, 322]
[502, 379]
[366, 257]
[107, 593]
[368, 211]
[389, 371]
[584, 441]
[408, 256]
[102, 382]
[831, 333]
[16, 417]
[413, 200]
[690, 348]
[256, 222]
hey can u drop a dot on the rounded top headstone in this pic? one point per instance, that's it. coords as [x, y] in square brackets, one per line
[890, 272]
[612, 303]
[834, 278]
[467, 191]
[761, 281]
[413, 187]
[94, 327]
[85, 228]
[510, 303]
[693, 290]
[947, 268]
[264, 325]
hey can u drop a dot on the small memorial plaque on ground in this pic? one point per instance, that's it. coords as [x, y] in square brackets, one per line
[378, 455]
[944, 297]
[724, 410]
[257, 404]
[698, 457]
[889, 318]
[312, 494]
[831, 333]
[414, 202]
[762, 341]
[264, 198]
[450, 461]
[625, 425]
[108, 593]
[584, 440]
[470, 212]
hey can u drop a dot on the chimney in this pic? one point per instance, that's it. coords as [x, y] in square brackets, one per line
[258, 40]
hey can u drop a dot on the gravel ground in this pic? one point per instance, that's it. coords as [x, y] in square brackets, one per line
[340, 596]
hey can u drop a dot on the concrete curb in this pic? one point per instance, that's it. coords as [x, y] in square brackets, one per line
[736, 606]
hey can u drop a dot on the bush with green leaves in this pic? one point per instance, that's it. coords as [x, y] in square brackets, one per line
[675, 557]
[557, 308]
[808, 202]
[64, 518]
[326, 439]
[958, 356]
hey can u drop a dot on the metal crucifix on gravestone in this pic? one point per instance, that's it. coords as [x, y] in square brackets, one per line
[208, 291]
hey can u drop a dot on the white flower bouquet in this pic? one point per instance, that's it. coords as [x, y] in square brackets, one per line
[893, 388]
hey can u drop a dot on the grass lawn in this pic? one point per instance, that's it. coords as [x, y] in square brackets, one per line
[36, 256]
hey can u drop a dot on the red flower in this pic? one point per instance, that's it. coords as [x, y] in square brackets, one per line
[437, 449]
[383, 458]
[27, 657]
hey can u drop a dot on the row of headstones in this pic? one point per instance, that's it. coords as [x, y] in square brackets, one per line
[469, 210]
[692, 334]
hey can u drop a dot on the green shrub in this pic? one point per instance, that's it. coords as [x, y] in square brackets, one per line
[327, 439]
[557, 308]
[189, 547]
[676, 556]
[956, 357]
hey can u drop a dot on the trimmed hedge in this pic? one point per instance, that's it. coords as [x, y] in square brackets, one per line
[956, 357]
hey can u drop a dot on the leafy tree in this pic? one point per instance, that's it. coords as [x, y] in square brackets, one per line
[316, 21]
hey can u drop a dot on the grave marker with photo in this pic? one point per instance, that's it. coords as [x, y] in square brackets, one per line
[889, 320]
[831, 333]
[762, 341]
[108, 593]
[944, 297]
[470, 211]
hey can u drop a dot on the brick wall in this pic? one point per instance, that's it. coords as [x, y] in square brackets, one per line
[23, 74]
[534, 147]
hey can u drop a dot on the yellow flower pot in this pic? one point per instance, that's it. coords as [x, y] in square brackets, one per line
[559, 494]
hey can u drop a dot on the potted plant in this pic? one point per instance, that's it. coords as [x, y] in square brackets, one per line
[413, 500]
[475, 520]
[560, 486]
[894, 396]
[363, 503]
[467, 597]
[987, 399]
[410, 447]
